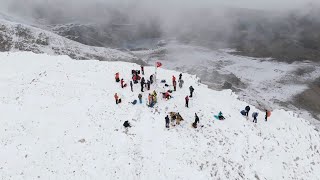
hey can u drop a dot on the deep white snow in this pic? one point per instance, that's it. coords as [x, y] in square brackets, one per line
[59, 120]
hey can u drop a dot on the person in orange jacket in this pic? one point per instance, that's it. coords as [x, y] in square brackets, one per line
[116, 97]
[117, 77]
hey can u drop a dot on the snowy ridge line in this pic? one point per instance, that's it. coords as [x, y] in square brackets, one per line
[21, 37]
[58, 132]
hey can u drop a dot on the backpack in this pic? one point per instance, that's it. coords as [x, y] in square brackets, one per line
[243, 112]
[268, 113]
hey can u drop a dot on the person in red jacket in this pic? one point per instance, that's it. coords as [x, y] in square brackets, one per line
[173, 79]
[122, 83]
[116, 97]
[187, 101]
[117, 77]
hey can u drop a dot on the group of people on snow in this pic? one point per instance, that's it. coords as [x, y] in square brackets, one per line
[152, 98]
[245, 112]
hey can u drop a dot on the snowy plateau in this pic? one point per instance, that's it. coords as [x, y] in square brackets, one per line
[59, 120]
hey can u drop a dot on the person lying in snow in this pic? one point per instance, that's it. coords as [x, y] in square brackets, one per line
[134, 102]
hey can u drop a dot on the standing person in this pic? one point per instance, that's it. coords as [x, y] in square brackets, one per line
[247, 110]
[191, 91]
[117, 77]
[187, 101]
[266, 117]
[122, 83]
[173, 79]
[131, 85]
[255, 115]
[174, 85]
[148, 85]
[181, 83]
[140, 98]
[142, 84]
[151, 79]
[116, 97]
[150, 99]
[180, 76]
[154, 95]
[196, 121]
[142, 70]
[167, 121]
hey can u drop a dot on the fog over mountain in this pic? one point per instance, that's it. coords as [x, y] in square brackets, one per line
[286, 30]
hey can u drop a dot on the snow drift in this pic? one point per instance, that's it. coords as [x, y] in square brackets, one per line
[59, 121]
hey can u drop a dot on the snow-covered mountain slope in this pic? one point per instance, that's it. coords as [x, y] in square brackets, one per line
[21, 37]
[59, 120]
[263, 82]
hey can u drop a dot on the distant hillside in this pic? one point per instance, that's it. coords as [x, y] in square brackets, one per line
[20, 37]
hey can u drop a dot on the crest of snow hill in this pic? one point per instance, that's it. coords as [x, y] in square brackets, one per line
[20, 37]
[59, 120]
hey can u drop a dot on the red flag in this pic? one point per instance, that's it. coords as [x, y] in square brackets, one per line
[159, 64]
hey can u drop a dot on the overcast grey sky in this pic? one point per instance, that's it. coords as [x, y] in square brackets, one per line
[98, 10]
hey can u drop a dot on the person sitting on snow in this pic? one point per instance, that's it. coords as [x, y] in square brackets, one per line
[166, 95]
[126, 124]
[220, 116]
[123, 84]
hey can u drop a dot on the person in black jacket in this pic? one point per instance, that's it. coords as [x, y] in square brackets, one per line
[126, 124]
[266, 117]
[191, 91]
[151, 79]
[196, 118]
[167, 121]
[131, 85]
[180, 76]
[247, 110]
[142, 84]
